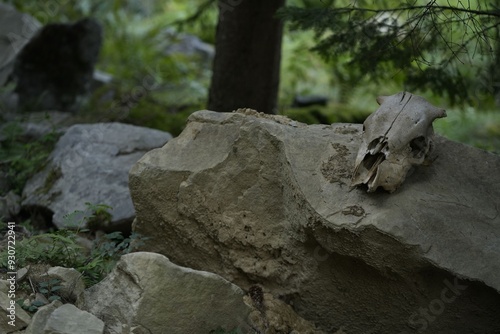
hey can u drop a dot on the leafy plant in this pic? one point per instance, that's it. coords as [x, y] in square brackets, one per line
[93, 217]
[106, 253]
[49, 289]
[33, 307]
[61, 248]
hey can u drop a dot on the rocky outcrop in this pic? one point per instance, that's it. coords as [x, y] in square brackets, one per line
[146, 293]
[260, 199]
[90, 163]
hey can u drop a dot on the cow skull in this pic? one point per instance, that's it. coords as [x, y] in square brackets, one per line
[395, 137]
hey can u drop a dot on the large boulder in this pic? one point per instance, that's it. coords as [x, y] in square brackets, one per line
[147, 293]
[90, 163]
[261, 199]
[54, 70]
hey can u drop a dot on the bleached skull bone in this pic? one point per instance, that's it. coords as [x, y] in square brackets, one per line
[395, 137]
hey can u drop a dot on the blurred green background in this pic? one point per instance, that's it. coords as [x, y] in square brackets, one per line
[133, 53]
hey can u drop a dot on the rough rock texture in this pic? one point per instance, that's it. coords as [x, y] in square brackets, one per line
[65, 319]
[147, 293]
[16, 29]
[275, 316]
[41, 317]
[90, 163]
[22, 319]
[261, 199]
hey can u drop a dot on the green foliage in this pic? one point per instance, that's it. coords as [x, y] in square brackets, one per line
[33, 307]
[147, 82]
[362, 49]
[106, 253]
[158, 116]
[62, 247]
[153, 89]
[92, 216]
[418, 44]
[23, 157]
[479, 129]
[49, 288]
[57, 248]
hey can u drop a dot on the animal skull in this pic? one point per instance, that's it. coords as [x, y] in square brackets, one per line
[395, 137]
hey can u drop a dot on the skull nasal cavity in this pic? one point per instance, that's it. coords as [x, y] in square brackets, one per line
[377, 145]
[374, 160]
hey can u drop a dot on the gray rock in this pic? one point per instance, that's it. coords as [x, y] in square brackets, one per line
[174, 43]
[68, 319]
[71, 282]
[22, 273]
[90, 164]
[4, 286]
[259, 198]
[54, 70]
[10, 205]
[41, 317]
[149, 294]
[11, 314]
[40, 299]
[16, 29]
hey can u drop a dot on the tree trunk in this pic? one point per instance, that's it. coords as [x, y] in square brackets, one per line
[248, 53]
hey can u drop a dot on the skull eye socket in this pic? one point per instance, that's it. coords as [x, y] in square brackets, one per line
[418, 145]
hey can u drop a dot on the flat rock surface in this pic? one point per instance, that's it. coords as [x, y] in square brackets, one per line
[260, 198]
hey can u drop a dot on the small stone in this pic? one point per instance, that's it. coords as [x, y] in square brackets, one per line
[21, 274]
